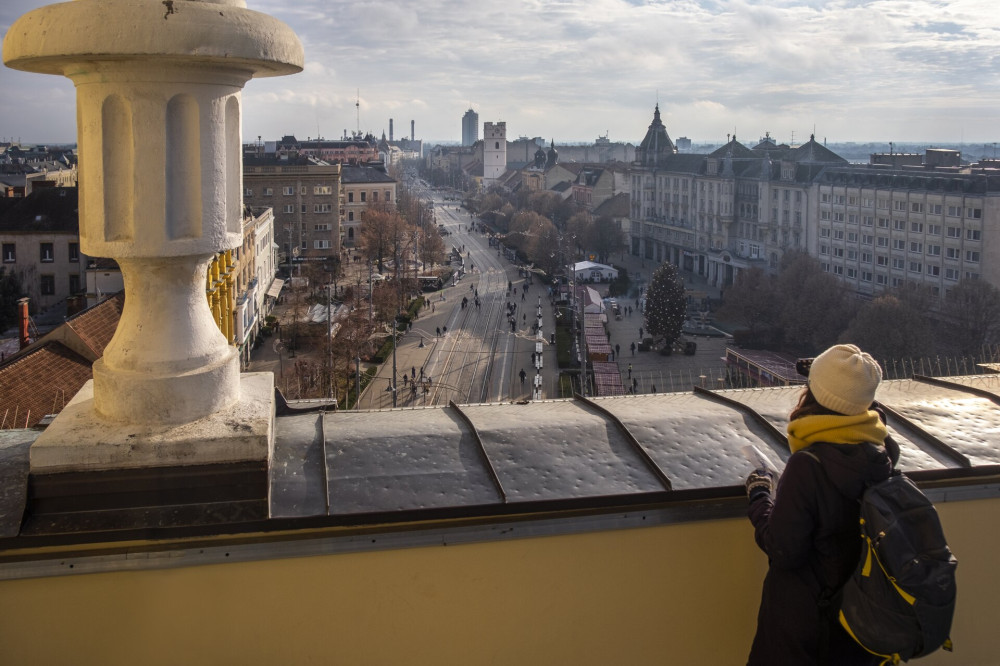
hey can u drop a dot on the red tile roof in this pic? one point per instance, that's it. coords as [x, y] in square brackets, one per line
[43, 378]
[96, 325]
[39, 383]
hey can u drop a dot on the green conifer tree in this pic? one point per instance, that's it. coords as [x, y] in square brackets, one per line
[665, 304]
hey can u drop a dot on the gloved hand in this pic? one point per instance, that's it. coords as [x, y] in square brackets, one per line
[760, 482]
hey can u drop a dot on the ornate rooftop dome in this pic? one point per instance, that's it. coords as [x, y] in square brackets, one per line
[657, 144]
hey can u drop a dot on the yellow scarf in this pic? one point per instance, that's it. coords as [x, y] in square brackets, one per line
[836, 429]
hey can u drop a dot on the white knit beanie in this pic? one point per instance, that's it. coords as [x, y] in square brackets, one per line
[844, 379]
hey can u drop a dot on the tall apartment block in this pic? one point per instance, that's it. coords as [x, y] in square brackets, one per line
[470, 128]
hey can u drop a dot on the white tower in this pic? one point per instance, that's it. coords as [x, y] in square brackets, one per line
[494, 153]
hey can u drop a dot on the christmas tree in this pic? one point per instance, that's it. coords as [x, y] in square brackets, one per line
[665, 304]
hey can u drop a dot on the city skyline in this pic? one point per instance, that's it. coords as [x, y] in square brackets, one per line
[846, 70]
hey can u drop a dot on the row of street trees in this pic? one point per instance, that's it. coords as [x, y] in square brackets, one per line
[547, 230]
[803, 310]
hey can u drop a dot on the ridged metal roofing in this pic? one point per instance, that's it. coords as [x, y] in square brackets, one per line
[345, 463]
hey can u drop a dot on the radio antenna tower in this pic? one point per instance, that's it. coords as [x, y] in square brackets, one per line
[357, 107]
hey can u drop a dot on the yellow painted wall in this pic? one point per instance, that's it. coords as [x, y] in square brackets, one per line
[684, 594]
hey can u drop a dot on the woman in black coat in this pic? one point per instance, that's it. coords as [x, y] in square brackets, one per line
[808, 525]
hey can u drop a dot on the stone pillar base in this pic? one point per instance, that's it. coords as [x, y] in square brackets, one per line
[216, 465]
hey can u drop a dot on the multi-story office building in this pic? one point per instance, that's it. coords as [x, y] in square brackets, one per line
[304, 193]
[880, 228]
[363, 187]
[470, 128]
[876, 226]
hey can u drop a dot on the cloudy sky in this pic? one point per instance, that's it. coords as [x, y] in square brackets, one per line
[855, 70]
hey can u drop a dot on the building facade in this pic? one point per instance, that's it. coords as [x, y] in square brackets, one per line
[470, 128]
[363, 187]
[40, 243]
[898, 221]
[304, 193]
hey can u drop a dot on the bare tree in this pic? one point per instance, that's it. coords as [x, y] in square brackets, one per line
[889, 327]
[751, 302]
[972, 314]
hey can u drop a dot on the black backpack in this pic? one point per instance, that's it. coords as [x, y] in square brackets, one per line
[899, 602]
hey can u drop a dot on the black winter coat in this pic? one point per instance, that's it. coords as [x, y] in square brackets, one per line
[809, 531]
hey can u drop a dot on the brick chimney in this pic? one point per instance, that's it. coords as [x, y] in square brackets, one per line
[22, 323]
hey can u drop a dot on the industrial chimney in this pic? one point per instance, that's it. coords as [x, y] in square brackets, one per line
[390, 129]
[413, 136]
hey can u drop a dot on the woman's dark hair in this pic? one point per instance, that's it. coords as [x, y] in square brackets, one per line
[809, 406]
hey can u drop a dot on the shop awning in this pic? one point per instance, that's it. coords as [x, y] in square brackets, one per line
[275, 287]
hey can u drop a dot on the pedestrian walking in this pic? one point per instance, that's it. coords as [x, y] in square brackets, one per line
[640, 333]
[630, 371]
[633, 348]
[617, 350]
[413, 372]
[438, 331]
[522, 375]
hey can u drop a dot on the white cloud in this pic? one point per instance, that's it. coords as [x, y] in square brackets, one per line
[572, 69]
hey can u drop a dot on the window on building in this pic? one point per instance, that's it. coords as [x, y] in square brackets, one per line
[951, 274]
[899, 205]
[46, 252]
[868, 239]
[934, 229]
[934, 209]
[303, 189]
[916, 247]
[952, 253]
[824, 232]
[972, 256]
[248, 192]
[9, 253]
[880, 279]
[933, 270]
[48, 285]
[973, 234]
[898, 244]
[288, 191]
[866, 276]
[824, 249]
[302, 208]
[883, 223]
[838, 234]
[954, 232]
[74, 283]
[971, 276]
[289, 208]
[74, 252]
[866, 257]
[321, 227]
[388, 195]
[974, 213]
[916, 207]
[496, 145]
[375, 196]
[268, 191]
[916, 267]
[838, 252]
[322, 189]
[838, 270]
[934, 250]
[350, 216]
[322, 208]
[899, 225]
[852, 273]
[321, 245]
[350, 197]
[898, 263]
[363, 197]
[917, 227]
[883, 242]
